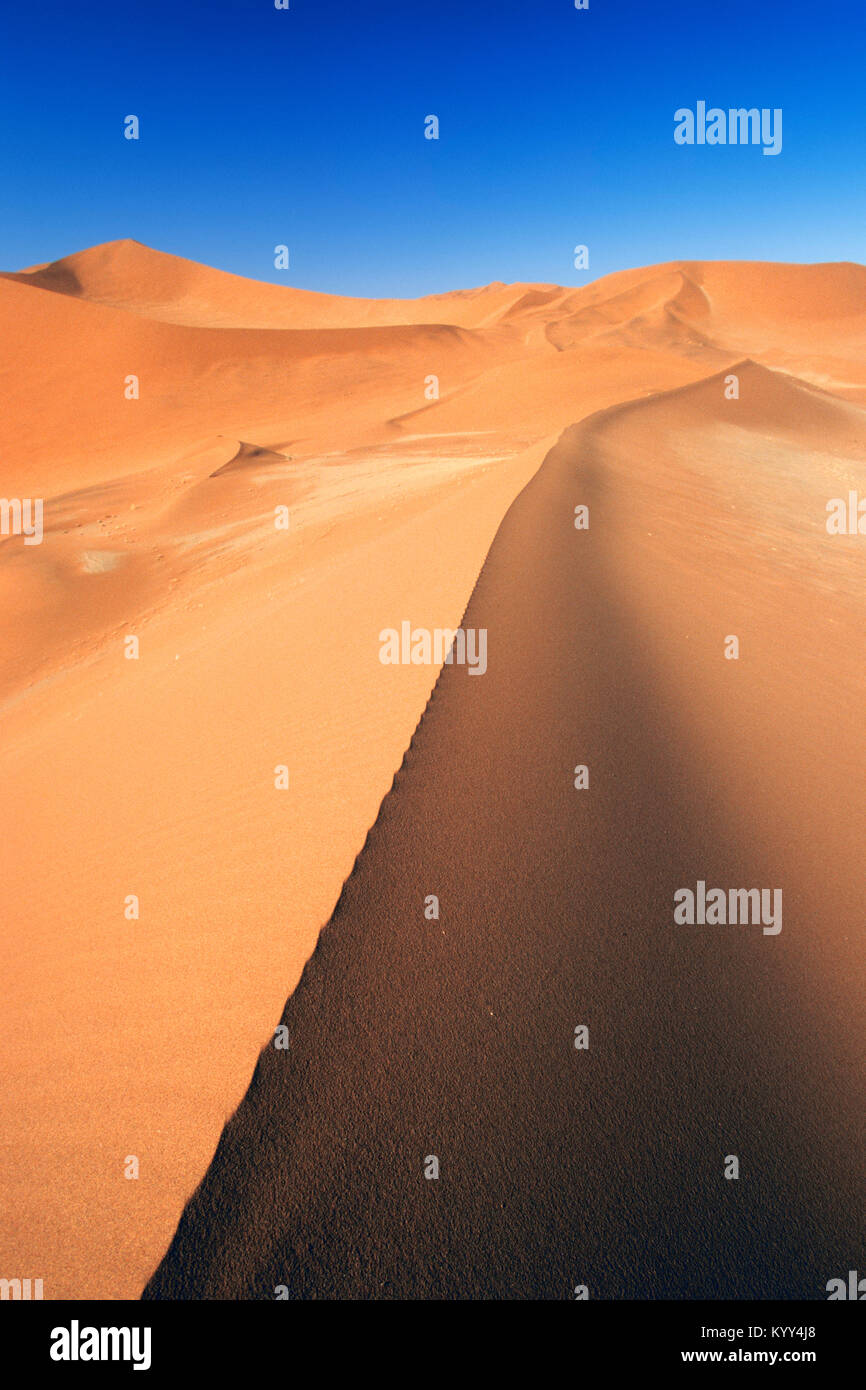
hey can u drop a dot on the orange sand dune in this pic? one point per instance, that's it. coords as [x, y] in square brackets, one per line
[453, 1036]
[128, 275]
[258, 646]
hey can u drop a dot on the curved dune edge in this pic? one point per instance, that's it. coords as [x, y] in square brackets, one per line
[411, 1037]
[259, 648]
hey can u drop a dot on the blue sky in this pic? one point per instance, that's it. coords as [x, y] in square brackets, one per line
[306, 127]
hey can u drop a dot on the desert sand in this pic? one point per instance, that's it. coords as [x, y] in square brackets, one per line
[259, 648]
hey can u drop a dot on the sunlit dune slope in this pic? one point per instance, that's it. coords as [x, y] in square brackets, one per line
[393, 436]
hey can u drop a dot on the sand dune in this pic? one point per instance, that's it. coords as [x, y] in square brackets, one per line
[258, 646]
[411, 1038]
[251, 456]
[128, 275]
[742, 296]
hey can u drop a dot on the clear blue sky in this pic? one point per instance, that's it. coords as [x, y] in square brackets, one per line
[306, 127]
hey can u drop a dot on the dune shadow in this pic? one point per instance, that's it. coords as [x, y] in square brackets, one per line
[414, 1037]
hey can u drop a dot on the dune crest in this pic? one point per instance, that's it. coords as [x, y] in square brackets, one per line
[253, 481]
[250, 456]
[452, 1039]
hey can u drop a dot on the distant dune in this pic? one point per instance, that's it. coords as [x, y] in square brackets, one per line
[167, 412]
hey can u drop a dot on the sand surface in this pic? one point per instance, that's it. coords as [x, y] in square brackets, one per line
[260, 648]
[412, 1037]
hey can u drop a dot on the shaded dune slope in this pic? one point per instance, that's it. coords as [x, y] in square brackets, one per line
[410, 1037]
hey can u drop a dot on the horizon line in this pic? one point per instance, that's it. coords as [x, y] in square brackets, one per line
[676, 263]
